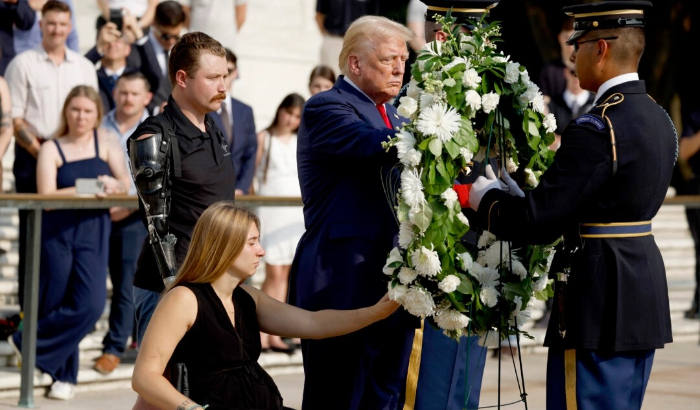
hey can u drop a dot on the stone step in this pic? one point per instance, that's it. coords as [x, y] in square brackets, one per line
[9, 233]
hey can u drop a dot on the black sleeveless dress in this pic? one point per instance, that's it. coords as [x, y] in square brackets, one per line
[222, 362]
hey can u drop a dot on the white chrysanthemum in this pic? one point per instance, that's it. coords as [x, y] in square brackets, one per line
[455, 61]
[463, 219]
[473, 100]
[451, 320]
[449, 284]
[394, 256]
[465, 260]
[531, 179]
[512, 73]
[538, 103]
[540, 284]
[418, 302]
[550, 123]
[406, 142]
[397, 292]
[510, 165]
[413, 89]
[497, 254]
[471, 78]
[501, 58]
[426, 100]
[449, 197]
[405, 234]
[466, 154]
[412, 188]
[426, 262]
[486, 239]
[489, 296]
[439, 120]
[489, 101]
[407, 275]
[411, 158]
[489, 339]
[407, 107]
[519, 269]
[488, 277]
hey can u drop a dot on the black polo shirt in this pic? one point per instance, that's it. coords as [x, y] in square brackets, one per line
[207, 177]
[341, 13]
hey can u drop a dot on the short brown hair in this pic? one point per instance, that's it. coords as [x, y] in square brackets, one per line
[186, 52]
[54, 5]
[81, 91]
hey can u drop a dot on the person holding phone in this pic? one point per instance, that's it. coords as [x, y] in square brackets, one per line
[72, 279]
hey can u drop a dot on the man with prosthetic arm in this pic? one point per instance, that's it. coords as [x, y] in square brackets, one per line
[608, 180]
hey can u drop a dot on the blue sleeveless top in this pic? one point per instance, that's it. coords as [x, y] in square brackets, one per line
[82, 168]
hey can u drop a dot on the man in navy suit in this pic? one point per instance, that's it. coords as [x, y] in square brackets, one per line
[236, 121]
[167, 28]
[346, 183]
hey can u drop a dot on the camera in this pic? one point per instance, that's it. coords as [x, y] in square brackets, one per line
[116, 17]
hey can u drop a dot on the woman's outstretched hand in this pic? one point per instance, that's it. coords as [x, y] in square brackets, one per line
[385, 307]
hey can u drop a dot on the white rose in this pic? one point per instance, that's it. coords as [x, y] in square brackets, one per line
[489, 102]
[473, 100]
[471, 78]
[512, 73]
[408, 107]
[397, 292]
[489, 296]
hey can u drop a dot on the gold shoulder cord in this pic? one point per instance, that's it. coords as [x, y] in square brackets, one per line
[609, 102]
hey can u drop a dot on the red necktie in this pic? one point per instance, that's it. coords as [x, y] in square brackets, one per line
[382, 111]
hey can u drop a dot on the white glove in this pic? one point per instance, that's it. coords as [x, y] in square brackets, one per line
[481, 186]
[513, 188]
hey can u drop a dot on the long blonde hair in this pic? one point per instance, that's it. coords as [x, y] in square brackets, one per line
[81, 91]
[217, 240]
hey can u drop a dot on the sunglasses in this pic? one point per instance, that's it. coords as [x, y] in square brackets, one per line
[577, 43]
[167, 37]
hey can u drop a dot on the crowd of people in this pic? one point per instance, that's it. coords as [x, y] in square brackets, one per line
[161, 74]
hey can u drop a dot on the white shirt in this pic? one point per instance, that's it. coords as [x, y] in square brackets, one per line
[38, 87]
[624, 78]
[349, 81]
[580, 99]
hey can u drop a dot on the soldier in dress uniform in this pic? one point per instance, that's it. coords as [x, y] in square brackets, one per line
[607, 181]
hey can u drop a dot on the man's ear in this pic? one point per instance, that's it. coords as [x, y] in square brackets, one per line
[441, 36]
[181, 78]
[354, 64]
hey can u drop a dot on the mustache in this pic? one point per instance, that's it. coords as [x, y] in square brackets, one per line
[219, 97]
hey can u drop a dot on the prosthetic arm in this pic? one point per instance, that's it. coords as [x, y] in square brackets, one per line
[150, 170]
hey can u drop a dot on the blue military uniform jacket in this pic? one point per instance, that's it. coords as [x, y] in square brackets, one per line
[617, 296]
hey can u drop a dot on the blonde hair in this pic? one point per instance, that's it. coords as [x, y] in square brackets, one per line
[217, 240]
[81, 91]
[365, 33]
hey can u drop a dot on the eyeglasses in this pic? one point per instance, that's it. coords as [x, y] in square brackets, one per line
[166, 36]
[577, 43]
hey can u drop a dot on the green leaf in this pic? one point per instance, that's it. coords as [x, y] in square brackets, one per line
[452, 149]
[435, 146]
[441, 170]
[423, 217]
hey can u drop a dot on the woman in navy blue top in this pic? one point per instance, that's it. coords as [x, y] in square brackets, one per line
[75, 243]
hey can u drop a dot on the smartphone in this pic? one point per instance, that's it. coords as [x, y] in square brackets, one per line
[115, 16]
[89, 186]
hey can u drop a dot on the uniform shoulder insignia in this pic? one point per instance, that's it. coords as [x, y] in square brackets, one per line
[591, 119]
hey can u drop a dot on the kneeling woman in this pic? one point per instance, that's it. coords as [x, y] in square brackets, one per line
[210, 321]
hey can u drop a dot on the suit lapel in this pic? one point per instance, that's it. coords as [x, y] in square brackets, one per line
[366, 108]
